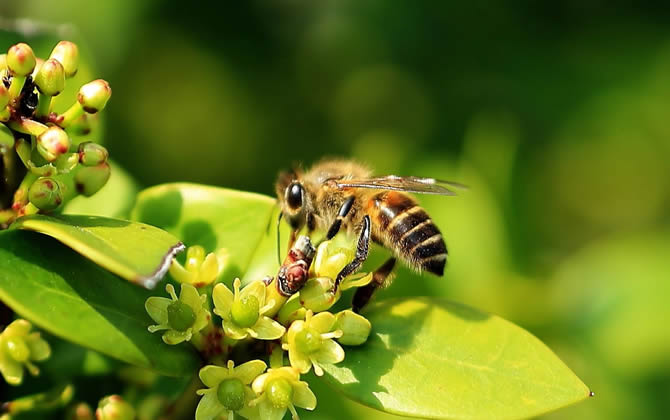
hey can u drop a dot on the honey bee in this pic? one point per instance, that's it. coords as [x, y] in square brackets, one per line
[336, 194]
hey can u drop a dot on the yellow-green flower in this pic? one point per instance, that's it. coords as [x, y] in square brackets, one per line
[19, 347]
[243, 312]
[200, 269]
[181, 317]
[228, 391]
[280, 390]
[310, 343]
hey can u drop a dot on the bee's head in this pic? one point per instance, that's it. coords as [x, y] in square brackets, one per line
[293, 198]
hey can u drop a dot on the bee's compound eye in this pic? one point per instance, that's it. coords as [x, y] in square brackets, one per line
[294, 194]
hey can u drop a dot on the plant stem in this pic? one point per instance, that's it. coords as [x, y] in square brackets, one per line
[69, 116]
[27, 126]
[16, 86]
[43, 105]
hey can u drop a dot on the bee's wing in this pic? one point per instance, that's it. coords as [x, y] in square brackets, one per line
[399, 183]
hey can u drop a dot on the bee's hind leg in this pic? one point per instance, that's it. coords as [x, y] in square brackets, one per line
[361, 253]
[379, 279]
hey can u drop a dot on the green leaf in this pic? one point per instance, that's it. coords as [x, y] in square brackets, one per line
[115, 199]
[75, 299]
[211, 217]
[434, 359]
[137, 252]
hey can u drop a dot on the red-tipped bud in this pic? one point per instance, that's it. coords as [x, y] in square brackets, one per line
[50, 79]
[68, 54]
[21, 59]
[94, 95]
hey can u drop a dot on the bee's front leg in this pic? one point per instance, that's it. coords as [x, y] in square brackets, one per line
[361, 253]
[341, 214]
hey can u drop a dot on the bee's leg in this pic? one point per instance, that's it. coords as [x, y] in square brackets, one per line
[344, 210]
[361, 253]
[379, 280]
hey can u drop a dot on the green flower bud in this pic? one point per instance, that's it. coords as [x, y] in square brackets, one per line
[195, 255]
[230, 393]
[67, 54]
[21, 60]
[317, 294]
[92, 154]
[6, 138]
[355, 328]
[180, 316]
[46, 194]
[80, 411]
[94, 95]
[279, 392]
[114, 407]
[245, 311]
[90, 179]
[4, 96]
[50, 79]
[52, 143]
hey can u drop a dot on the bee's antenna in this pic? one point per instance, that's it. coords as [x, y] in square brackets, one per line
[279, 238]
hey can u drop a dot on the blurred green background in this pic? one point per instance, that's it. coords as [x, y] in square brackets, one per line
[555, 114]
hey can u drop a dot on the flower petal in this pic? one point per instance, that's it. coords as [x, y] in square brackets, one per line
[255, 288]
[212, 375]
[223, 300]
[39, 348]
[189, 295]
[329, 353]
[209, 269]
[175, 337]
[157, 309]
[303, 396]
[18, 328]
[323, 322]
[233, 331]
[247, 372]
[201, 320]
[209, 407]
[299, 360]
[11, 370]
[259, 383]
[356, 280]
[269, 412]
[267, 329]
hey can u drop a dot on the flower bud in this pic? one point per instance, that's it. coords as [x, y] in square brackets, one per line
[114, 407]
[50, 79]
[90, 179]
[46, 194]
[79, 411]
[92, 154]
[52, 143]
[317, 294]
[67, 54]
[355, 328]
[21, 59]
[230, 393]
[94, 95]
[4, 96]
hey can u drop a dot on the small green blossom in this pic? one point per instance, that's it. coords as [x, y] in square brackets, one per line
[310, 342]
[181, 317]
[19, 347]
[200, 270]
[280, 390]
[228, 391]
[243, 312]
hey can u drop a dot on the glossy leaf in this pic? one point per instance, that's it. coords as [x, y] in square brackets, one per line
[137, 252]
[211, 217]
[434, 359]
[73, 298]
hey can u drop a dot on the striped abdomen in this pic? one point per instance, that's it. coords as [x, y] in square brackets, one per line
[404, 227]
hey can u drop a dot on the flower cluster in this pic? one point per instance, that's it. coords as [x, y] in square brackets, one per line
[20, 347]
[47, 160]
[262, 318]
